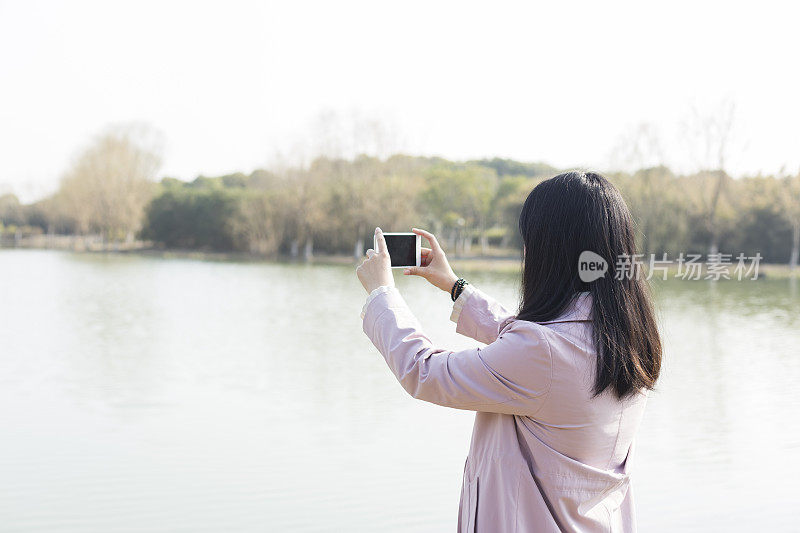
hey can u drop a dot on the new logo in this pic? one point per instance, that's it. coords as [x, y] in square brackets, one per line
[591, 266]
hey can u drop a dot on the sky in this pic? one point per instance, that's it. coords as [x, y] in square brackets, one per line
[233, 86]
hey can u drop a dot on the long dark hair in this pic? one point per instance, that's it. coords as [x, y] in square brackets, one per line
[561, 218]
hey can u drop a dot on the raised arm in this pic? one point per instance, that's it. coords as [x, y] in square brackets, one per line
[479, 316]
[511, 375]
[475, 313]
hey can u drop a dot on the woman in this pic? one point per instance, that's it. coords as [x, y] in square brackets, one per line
[561, 386]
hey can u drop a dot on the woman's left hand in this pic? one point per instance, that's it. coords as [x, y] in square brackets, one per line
[376, 270]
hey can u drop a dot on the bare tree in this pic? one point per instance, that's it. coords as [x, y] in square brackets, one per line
[258, 223]
[304, 195]
[109, 184]
[350, 189]
[710, 137]
[638, 148]
[639, 151]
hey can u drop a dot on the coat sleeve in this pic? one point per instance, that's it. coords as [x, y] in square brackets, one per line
[479, 316]
[511, 375]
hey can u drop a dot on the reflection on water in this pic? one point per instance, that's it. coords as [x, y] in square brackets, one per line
[141, 394]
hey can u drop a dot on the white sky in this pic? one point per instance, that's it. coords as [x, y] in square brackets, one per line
[231, 83]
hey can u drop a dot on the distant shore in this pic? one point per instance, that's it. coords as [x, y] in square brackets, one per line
[496, 260]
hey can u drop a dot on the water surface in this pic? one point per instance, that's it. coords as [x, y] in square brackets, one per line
[147, 394]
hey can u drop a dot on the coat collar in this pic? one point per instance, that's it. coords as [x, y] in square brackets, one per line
[580, 310]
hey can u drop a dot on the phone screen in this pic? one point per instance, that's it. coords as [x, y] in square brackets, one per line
[402, 249]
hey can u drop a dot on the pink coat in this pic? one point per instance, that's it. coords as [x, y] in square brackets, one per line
[545, 456]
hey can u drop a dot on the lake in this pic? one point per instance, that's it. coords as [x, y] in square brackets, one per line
[151, 394]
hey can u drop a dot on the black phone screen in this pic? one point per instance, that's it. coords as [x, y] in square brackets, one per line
[402, 249]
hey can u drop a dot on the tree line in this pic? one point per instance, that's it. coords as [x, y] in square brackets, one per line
[332, 205]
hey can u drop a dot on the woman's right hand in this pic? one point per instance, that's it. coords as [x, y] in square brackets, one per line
[435, 267]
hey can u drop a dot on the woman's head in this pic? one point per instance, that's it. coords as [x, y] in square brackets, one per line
[563, 217]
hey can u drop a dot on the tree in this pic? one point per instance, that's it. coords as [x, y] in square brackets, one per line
[509, 167]
[639, 148]
[660, 207]
[792, 196]
[305, 193]
[11, 211]
[710, 141]
[185, 215]
[258, 224]
[507, 205]
[460, 198]
[110, 182]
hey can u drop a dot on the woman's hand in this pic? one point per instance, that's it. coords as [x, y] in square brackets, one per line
[376, 270]
[435, 267]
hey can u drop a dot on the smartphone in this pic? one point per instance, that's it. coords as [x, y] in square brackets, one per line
[404, 249]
